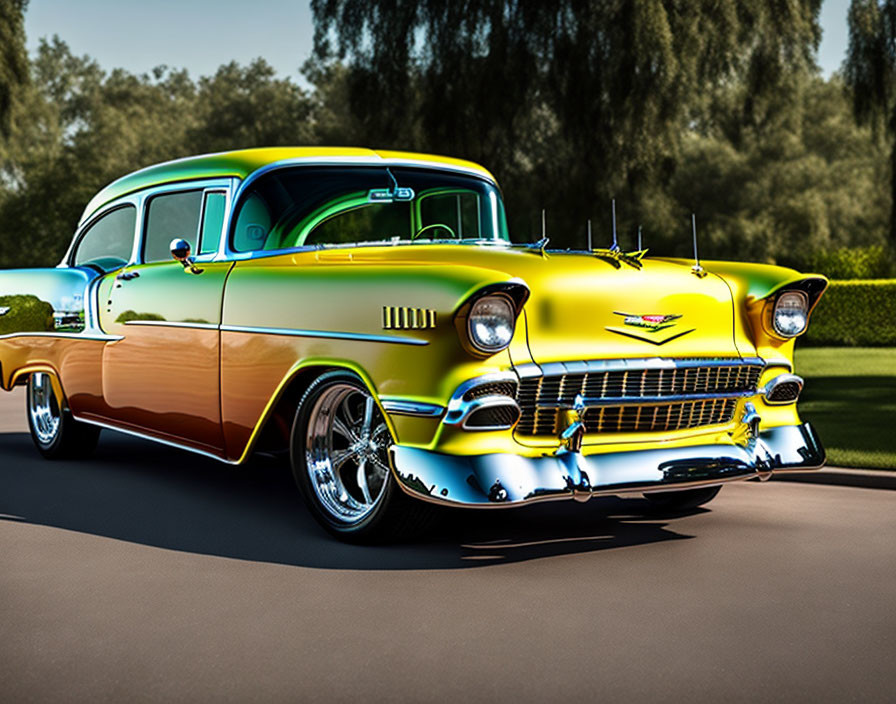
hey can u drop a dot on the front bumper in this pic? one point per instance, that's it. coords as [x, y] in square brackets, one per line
[501, 480]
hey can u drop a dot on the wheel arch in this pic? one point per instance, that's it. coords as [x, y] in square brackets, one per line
[20, 376]
[275, 422]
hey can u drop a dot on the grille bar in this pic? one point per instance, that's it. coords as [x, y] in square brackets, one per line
[650, 399]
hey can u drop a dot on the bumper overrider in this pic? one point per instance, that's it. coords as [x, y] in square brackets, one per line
[504, 479]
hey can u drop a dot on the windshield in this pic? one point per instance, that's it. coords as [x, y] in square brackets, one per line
[320, 206]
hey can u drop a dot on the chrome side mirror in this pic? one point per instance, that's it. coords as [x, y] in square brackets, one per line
[181, 250]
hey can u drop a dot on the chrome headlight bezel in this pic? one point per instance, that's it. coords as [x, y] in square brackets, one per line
[508, 298]
[795, 307]
[498, 323]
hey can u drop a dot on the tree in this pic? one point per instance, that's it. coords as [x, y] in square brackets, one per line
[870, 71]
[588, 96]
[13, 57]
[241, 107]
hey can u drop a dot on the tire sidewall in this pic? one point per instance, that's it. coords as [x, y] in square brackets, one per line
[364, 529]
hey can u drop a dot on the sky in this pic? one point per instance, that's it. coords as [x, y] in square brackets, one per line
[200, 35]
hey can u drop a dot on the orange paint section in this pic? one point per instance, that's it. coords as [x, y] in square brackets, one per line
[76, 362]
[165, 380]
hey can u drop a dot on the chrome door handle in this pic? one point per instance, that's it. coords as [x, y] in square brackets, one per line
[127, 275]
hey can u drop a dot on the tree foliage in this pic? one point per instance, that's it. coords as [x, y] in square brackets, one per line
[870, 71]
[776, 170]
[13, 58]
[588, 96]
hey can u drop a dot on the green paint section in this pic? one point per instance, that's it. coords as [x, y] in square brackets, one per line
[852, 403]
[240, 164]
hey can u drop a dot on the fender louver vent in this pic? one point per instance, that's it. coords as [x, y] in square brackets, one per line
[404, 318]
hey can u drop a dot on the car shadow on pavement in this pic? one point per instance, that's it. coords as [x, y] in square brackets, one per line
[145, 493]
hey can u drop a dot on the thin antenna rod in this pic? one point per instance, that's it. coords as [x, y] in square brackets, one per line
[639, 239]
[615, 244]
[543, 233]
[590, 248]
[697, 269]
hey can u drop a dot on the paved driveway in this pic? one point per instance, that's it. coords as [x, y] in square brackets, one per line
[148, 573]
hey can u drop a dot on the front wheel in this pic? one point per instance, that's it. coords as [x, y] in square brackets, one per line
[339, 452]
[55, 432]
[683, 500]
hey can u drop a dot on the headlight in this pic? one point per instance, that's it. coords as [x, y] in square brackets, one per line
[491, 322]
[791, 313]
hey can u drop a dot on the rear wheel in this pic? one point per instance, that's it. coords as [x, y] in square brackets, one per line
[339, 451]
[683, 500]
[56, 434]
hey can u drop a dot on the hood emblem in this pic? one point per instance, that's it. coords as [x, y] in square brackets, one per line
[648, 326]
[651, 323]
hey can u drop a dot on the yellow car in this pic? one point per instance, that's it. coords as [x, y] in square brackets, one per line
[368, 313]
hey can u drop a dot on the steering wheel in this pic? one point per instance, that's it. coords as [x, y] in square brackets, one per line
[433, 226]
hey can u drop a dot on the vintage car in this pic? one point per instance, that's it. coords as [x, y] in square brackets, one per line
[367, 314]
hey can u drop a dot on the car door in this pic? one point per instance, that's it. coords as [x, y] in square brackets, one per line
[163, 376]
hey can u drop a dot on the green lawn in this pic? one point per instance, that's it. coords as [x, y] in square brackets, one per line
[850, 398]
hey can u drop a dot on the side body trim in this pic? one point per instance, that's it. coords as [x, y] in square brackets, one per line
[326, 333]
[412, 408]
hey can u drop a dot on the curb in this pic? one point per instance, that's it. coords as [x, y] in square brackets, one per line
[840, 476]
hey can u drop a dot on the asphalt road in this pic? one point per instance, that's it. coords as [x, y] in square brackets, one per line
[148, 573]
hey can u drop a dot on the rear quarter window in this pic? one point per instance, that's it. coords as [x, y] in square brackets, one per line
[108, 241]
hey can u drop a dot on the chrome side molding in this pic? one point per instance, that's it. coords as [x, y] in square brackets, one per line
[411, 408]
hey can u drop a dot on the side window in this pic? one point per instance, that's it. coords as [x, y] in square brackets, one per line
[212, 221]
[170, 216]
[108, 242]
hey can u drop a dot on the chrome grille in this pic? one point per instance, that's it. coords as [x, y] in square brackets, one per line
[633, 400]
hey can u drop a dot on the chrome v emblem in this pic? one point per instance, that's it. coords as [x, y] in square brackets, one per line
[647, 327]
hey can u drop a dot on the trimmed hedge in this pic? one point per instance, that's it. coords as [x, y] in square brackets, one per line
[858, 313]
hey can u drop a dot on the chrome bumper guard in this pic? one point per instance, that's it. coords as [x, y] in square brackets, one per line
[503, 480]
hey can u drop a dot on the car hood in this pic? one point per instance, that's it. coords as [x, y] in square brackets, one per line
[587, 306]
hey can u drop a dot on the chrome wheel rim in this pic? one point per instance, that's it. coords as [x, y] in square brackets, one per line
[347, 453]
[43, 408]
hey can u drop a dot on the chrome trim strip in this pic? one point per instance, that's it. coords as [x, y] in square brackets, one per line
[144, 436]
[648, 400]
[172, 324]
[365, 337]
[95, 336]
[777, 381]
[411, 408]
[631, 364]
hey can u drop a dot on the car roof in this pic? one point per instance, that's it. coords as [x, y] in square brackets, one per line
[244, 162]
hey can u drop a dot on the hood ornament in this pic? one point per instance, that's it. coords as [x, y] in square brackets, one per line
[614, 255]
